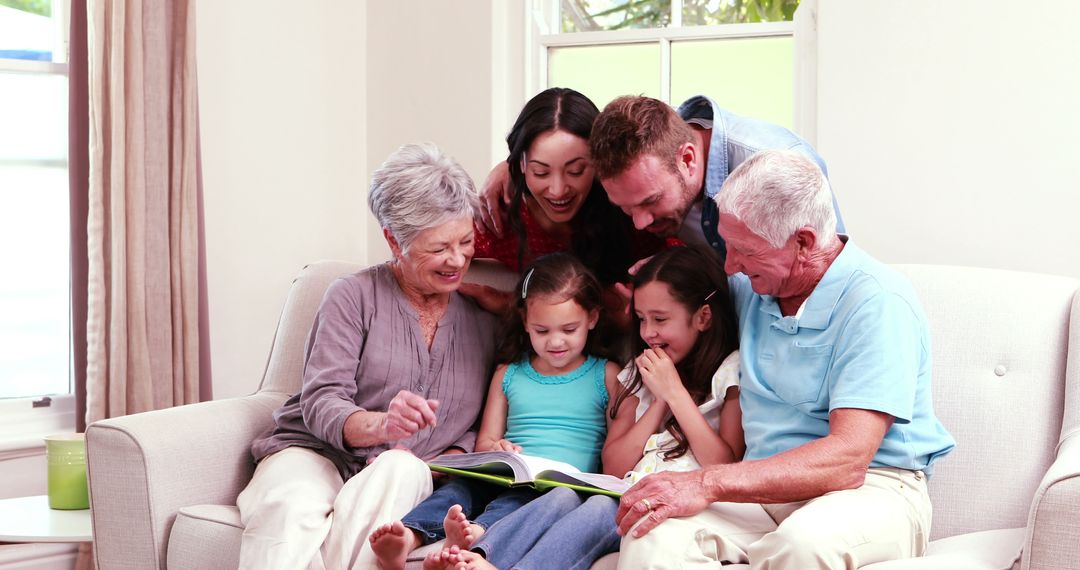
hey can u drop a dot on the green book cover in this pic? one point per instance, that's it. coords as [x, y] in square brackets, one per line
[516, 470]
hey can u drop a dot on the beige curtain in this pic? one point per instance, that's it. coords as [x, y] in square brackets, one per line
[146, 278]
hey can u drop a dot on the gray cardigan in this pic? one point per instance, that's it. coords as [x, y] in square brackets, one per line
[365, 346]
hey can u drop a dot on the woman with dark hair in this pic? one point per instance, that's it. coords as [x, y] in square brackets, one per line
[557, 203]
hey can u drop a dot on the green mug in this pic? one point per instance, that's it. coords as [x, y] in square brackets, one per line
[66, 457]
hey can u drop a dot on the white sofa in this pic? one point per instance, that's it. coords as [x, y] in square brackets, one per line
[1006, 384]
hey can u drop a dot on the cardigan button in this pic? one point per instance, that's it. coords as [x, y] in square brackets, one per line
[1000, 370]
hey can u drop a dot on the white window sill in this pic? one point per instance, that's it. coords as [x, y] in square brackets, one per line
[53, 555]
[25, 427]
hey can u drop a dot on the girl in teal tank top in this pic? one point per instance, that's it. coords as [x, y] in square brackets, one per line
[548, 398]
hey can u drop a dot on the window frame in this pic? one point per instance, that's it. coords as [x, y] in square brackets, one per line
[24, 421]
[25, 425]
[542, 33]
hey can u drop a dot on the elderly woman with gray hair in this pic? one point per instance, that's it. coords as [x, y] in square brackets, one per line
[396, 370]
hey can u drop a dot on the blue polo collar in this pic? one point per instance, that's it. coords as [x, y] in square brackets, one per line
[818, 308]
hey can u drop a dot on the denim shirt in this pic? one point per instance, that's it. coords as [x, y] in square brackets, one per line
[735, 139]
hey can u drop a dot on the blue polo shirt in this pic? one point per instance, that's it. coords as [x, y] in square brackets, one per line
[861, 341]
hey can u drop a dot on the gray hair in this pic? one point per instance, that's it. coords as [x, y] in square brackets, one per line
[419, 187]
[776, 192]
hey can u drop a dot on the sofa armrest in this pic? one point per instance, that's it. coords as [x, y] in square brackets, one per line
[144, 467]
[1053, 532]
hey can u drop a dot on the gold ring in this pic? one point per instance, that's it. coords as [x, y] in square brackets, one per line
[648, 505]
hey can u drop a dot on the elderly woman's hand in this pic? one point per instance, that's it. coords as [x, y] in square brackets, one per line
[660, 496]
[407, 414]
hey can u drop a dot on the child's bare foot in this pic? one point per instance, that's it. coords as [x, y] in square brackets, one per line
[453, 558]
[473, 561]
[445, 559]
[392, 544]
[459, 531]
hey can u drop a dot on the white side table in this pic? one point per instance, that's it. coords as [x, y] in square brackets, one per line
[29, 519]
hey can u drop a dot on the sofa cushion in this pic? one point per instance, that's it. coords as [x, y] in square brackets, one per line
[205, 537]
[987, 550]
[999, 341]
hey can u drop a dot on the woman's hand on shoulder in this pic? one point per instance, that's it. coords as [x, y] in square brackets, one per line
[490, 299]
[495, 196]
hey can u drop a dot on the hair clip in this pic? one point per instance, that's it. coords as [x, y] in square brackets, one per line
[709, 296]
[525, 283]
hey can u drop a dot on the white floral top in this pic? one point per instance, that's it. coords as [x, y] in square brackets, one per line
[652, 460]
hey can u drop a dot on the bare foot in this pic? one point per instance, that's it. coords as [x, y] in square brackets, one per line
[459, 531]
[472, 561]
[392, 544]
[445, 559]
[453, 558]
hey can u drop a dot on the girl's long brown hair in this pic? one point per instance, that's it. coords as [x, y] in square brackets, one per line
[694, 278]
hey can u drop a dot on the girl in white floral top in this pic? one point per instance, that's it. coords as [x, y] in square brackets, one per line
[683, 388]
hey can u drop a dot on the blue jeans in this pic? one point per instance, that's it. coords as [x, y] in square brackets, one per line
[484, 504]
[561, 529]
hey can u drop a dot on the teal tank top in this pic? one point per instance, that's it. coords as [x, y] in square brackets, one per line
[558, 417]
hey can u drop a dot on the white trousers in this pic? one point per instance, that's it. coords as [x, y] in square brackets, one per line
[297, 513]
[887, 518]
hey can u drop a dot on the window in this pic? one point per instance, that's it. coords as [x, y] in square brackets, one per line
[35, 344]
[739, 52]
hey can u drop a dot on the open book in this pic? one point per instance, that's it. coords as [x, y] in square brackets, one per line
[514, 470]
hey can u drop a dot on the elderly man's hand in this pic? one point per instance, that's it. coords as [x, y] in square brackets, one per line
[660, 496]
[407, 414]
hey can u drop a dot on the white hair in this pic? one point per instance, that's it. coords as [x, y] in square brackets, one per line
[419, 187]
[777, 192]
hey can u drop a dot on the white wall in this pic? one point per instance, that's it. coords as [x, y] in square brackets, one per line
[947, 126]
[282, 104]
[951, 130]
[443, 72]
[298, 106]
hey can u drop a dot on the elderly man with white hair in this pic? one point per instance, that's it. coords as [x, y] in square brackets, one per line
[840, 429]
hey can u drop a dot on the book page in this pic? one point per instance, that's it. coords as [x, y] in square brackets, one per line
[598, 480]
[522, 467]
[537, 465]
[498, 462]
